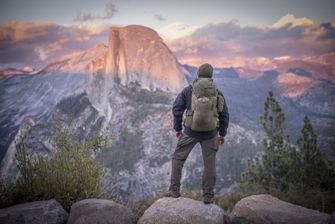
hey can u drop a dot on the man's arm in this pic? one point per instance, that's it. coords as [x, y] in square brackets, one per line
[178, 109]
[223, 118]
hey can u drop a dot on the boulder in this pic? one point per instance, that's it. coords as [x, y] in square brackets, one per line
[332, 218]
[100, 211]
[37, 212]
[270, 210]
[182, 211]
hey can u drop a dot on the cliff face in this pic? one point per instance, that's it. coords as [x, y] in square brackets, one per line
[137, 54]
[134, 55]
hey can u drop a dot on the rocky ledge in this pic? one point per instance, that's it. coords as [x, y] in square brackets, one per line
[260, 209]
[36, 212]
[182, 211]
[265, 209]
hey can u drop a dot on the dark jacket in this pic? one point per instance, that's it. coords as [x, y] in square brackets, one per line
[184, 101]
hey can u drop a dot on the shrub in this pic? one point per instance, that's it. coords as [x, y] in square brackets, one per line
[68, 176]
[6, 196]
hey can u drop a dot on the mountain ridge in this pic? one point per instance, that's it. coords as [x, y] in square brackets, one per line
[135, 107]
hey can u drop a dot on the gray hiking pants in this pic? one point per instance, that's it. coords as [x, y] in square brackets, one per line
[184, 147]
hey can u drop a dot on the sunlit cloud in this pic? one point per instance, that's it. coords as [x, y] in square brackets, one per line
[42, 43]
[16, 31]
[293, 21]
[92, 28]
[236, 62]
[175, 31]
[230, 43]
[225, 44]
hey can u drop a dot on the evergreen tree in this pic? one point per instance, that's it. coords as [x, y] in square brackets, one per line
[299, 174]
[314, 168]
[272, 170]
[272, 121]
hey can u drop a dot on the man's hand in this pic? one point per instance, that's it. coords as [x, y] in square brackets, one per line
[179, 134]
[221, 140]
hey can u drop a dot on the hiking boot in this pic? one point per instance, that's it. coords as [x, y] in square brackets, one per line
[172, 194]
[208, 199]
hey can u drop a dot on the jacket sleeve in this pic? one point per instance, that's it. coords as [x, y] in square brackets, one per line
[178, 109]
[223, 118]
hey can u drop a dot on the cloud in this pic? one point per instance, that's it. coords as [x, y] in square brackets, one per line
[15, 31]
[40, 43]
[290, 36]
[329, 31]
[223, 44]
[84, 17]
[18, 52]
[110, 11]
[175, 31]
[293, 21]
[159, 17]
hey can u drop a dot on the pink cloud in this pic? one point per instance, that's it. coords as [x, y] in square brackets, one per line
[229, 43]
[42, 43]
[16, 31]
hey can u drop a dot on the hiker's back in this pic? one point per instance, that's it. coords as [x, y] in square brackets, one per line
[204, 113]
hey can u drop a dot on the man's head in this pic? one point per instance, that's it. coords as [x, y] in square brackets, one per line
[205, 70]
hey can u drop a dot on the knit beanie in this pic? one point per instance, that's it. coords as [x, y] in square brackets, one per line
[205, 70]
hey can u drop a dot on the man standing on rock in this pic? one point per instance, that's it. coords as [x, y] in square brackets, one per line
[206, 117]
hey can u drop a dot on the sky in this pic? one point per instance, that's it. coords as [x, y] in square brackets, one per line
[224, 32]
[154, 13]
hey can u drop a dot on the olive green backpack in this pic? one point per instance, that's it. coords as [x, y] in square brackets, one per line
[206, 103]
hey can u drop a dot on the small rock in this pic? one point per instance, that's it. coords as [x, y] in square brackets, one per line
[259, 209]
[182, 211]
[332, 218]
[101, 211]
[37, 212]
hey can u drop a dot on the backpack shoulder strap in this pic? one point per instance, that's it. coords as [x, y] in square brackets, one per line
[220, 102]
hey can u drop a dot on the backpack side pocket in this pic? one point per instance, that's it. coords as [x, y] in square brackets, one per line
[188, 118]
[220, 103]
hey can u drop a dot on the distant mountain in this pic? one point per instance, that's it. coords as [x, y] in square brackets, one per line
[126, 89]
[292, 85]
[78, 62]
[5, 72]
[299, 94]
[314, 68]
[248, 72]
[327, 59]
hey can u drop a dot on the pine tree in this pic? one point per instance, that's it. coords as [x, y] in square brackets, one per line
[299, 174]
[272, 121]
[272, 169]
[314, 168]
